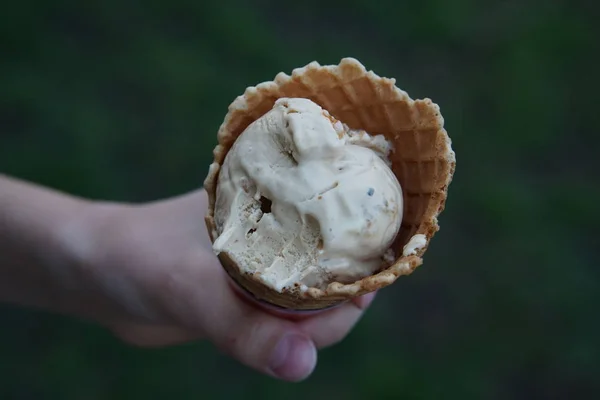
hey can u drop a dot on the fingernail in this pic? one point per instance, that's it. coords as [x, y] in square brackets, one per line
[365, 301]
[294, 358]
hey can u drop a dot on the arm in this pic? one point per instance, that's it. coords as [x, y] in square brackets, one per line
[147, 272]
[42, 241]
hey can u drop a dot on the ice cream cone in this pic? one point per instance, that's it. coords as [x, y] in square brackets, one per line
[422, 159]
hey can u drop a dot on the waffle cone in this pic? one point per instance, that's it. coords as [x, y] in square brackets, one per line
[422, 160]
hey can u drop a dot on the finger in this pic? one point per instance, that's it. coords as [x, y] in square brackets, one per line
[266, 343]
[153, 335]
[363, 302]
[333, 326]
[273, 346]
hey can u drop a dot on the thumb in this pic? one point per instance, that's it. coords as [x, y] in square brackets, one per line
[273, 346]
[267, 345]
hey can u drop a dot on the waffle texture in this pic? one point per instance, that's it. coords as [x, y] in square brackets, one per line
[422, 159]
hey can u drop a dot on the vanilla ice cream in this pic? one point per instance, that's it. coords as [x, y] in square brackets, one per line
[303, 201]
[415, 243]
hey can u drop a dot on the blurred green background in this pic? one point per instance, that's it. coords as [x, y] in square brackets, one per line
[122, 101]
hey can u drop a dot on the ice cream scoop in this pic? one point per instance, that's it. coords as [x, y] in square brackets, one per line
[303, 201]
[290, 228]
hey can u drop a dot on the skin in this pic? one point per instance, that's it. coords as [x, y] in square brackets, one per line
[148, 274]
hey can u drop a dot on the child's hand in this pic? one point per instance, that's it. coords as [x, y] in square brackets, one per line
[154, 264]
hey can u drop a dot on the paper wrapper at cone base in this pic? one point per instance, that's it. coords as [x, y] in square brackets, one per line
[422, 159]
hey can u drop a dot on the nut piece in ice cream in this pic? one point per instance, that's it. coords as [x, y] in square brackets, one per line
[302, 201]
[326, 184]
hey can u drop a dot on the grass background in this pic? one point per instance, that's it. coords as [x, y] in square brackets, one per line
[122, 101]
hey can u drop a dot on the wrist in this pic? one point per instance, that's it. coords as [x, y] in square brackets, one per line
[49, 247]
[79, 237]
[79, 267]
[99, 243]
